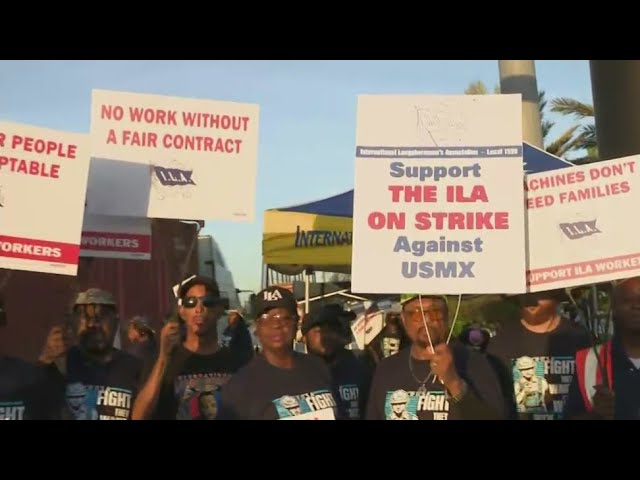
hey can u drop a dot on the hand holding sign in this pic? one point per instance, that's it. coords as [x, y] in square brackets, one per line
[604, 402]
[443, 366]
[169, 338]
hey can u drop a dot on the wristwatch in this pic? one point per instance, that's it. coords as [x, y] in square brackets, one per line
[460, 396]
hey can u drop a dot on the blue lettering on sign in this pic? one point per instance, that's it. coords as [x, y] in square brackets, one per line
[321, 238]
[438, 269]
[171, 177]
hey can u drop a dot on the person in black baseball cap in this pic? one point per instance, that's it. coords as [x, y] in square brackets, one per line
[279, 377]
[276, 314]
[327, 332]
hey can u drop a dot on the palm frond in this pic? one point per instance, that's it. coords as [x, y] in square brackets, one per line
[542, 101]
[563, 143]
[546, 125]
[589, 133]
[569, 106]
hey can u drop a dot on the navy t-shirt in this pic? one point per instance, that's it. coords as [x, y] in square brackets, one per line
[261, 391]
[92, 390]
[351, 379]
[396, 392]
[193, 383]
[536, 369]
[23, 392]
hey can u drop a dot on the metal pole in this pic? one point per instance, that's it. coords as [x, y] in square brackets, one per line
[307, 285]
[615, 86]
[519, 76]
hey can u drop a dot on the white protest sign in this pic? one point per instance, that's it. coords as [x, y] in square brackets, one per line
[43, 180]
[324, 414]
[367, 327]
[170, 157]
[579, 227]
[438, 195]
[116, 237]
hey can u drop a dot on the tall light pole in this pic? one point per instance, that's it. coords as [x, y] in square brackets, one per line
[519, 76]
[615, 86]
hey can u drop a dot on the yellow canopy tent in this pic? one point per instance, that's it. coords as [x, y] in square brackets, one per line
[315, 236]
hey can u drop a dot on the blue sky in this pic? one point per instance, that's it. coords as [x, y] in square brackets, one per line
[307, 114]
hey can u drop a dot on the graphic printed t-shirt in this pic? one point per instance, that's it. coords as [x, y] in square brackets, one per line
[193, 383]
[396, 392]
[22, 391]
[351, 380]
[97, 391]
[261, 391]
[537, 369]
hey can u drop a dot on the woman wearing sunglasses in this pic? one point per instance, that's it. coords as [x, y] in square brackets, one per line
[190, 366]
[279, 384]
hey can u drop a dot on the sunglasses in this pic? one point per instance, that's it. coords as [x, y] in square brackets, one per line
[207, 301]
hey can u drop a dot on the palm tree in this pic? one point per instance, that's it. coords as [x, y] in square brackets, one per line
[576, 138]
[586, 132]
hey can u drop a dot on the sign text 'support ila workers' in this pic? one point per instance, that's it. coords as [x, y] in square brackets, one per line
[578, 231]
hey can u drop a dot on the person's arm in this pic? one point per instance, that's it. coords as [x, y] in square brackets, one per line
[54, 352]
[241, 343]
[603, 404]
[147, 399]
[472, 385]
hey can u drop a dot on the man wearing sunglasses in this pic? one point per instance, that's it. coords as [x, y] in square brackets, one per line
[187, 368]
[279, 384]
[432, 379]
[92, 380]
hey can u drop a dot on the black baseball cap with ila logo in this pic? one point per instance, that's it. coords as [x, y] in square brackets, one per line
[276, 297]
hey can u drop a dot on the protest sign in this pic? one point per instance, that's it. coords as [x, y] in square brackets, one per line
[116, 237]
[169, 157]
[367, 327]
[578, 231]
[439, 195]
[43, 180]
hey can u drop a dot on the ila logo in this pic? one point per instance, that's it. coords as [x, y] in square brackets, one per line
[576, 230]
[272, 296]
[171, 177]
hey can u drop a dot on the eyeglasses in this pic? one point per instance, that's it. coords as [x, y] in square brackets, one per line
[207, 301]
[416, 313]
[275, 319]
